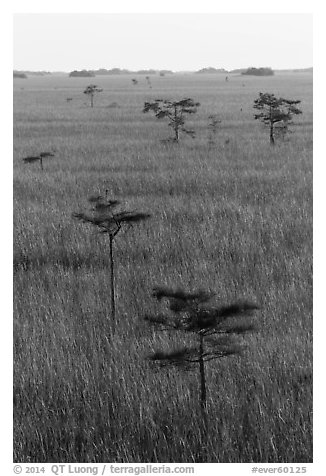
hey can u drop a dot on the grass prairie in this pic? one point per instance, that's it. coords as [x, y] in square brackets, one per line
[233, 217]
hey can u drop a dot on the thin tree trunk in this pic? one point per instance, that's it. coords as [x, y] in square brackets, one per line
[92, 100]
[176, 126]
[41, 163]
[112, 282]
[202, 373]
[177, 134]
[271, 127]
[203, 402]
[271, 134]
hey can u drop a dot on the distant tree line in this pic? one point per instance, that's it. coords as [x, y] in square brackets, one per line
[20, 75]
[103, 71]
[258, 72]
[249, 71]
[24, 74]
[82, 74]
[108, 72]
[211, 70]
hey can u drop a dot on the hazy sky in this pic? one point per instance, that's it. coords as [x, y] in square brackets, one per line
[63, 42]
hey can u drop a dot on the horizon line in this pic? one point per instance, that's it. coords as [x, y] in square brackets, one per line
[156, 69]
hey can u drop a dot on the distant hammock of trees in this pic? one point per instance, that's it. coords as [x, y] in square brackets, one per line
[20, 75]
[82, 74]
[258, 72]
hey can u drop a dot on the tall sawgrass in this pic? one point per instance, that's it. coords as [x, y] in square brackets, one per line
[234, 218]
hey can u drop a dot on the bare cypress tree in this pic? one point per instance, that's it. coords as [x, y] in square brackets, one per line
[90, 91]
[38, 158]
[214, 329]
[276, 113]
[175, 111]
[104, 217]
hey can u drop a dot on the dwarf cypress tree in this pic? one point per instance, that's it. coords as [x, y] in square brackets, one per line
[215, 331]
[38, 158]
[90, 91]
[175, 111]
[107, 220]
[276, 113]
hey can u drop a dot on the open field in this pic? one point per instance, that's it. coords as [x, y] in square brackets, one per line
[234, 218]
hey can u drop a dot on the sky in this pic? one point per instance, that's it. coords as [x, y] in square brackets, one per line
[179, 42]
